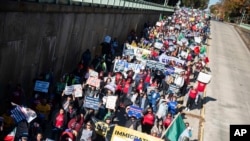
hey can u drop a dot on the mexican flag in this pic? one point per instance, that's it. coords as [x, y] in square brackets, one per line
[10, 136]
[176, 128]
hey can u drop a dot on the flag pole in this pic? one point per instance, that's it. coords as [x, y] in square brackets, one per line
[170, 125]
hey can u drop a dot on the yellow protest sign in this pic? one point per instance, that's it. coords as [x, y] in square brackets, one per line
[126, 134]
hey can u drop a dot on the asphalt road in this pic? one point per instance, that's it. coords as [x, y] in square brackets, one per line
[228, 94]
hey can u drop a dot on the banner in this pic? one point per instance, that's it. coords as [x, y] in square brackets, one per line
[203, 77]
[93, 73]
[135, 111]
[140, 53]
[41, 86]
[78, 90]
[69, 90]
[154, 65]
[90, 102]
[119, 66]
[125, 134]
[129, 52]
[111, 102]
[93, 81]
[166, 59]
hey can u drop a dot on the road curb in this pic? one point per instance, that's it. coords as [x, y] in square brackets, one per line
[202, 112]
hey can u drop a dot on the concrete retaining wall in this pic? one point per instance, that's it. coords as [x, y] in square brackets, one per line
[33, 42]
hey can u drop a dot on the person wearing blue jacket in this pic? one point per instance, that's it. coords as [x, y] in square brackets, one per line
[172, 106]
[155, 97]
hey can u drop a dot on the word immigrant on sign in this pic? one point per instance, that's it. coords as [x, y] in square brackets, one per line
[41, 86]
[239, 132]
[91, 102]
[125, 134]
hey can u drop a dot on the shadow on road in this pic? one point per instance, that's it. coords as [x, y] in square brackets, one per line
[207, 99]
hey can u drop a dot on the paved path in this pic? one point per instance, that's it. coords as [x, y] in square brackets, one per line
[228, 94]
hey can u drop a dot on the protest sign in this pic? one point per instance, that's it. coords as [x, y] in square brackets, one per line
[93, 73]
[78, 90]
[158, 45]
[160, 66]
[29, 114]
[126, 134]
[119, 66]
[41, 86]
[170, 70]
[93, 81]
[90, 102]
[111, 102]
[20, 113]
[135, 111]
[68, 90]
[166, 59]
[197, 39]
[150, 64]
[129, 52]
[203, 77]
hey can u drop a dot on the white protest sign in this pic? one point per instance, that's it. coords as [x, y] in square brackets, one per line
[78, 90]
[158, 45]
[111, 102]
[29, 114]
[203, 77]
[68, 90]
[93, 73]
[197, 39]
[184, 54]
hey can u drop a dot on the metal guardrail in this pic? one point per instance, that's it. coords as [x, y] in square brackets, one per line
[129, 4]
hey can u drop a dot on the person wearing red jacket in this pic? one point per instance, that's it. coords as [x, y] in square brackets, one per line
[148, 121]
[200, 89]
[167, 120]
[140, 85]
[191, 98]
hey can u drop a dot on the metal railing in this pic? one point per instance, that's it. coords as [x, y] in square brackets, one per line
[129, 4]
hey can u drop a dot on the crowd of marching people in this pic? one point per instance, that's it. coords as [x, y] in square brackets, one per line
[137, 85]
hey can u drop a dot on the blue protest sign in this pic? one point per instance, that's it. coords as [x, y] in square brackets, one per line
[91, 102]
[135, 111]
[41, 86]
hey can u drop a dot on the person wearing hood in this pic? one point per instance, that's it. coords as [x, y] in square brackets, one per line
[132, 123]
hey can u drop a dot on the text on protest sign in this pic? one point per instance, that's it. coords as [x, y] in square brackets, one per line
[135, 111]
[93, 73]
[78, 90]
[166, 59]
[203, 77]
[41, 86]
[126, 134]
[93, 81]
[119, 66]
[91, 102]
[69, 90]
[111, 102]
